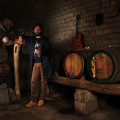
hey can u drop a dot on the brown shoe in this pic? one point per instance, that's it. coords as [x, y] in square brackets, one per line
[30, 104]
[40, 103]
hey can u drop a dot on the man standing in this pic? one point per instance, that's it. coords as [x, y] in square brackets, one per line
[39, 65]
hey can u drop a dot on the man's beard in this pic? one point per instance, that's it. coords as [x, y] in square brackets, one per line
[39, 34]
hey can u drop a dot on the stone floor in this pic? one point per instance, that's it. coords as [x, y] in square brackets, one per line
[56, 107]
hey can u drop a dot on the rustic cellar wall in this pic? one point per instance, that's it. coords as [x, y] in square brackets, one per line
[23, 13]
[60, 20]
[60, 25]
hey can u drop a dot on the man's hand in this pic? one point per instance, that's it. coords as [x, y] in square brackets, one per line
[20, 40]
[9, 42]
[38, 51]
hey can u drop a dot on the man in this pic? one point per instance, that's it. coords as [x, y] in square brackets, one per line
[39, 65]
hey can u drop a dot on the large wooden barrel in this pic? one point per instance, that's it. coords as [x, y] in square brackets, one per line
[4, 70]
[103, 67]
[74, 64]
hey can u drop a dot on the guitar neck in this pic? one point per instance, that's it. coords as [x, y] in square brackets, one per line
[77, 20]
[76, 29]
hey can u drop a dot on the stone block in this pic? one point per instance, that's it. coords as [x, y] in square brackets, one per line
[87, 107]
[84, 96]
[4, 97]
[85, 101]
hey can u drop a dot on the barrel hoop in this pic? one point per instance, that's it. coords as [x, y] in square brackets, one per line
[90, 70]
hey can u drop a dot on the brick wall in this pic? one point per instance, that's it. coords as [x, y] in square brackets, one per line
[60, 20]
[23, 13]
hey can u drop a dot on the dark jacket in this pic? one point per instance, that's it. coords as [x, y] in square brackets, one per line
[44, 56]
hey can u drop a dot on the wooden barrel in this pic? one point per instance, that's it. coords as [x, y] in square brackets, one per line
[74, 64]
[103, 67]
[4, 70]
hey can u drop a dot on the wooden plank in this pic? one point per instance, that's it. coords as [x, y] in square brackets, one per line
[111, 89]
[16, 69]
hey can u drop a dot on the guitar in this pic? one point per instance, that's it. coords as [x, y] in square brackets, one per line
[77, 39]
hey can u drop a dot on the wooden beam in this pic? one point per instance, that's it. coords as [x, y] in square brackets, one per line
[111, 89]
[16, 69]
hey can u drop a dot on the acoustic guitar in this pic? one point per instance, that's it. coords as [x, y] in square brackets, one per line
[77, 39]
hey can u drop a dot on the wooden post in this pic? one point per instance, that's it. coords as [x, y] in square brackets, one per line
[16, 69]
